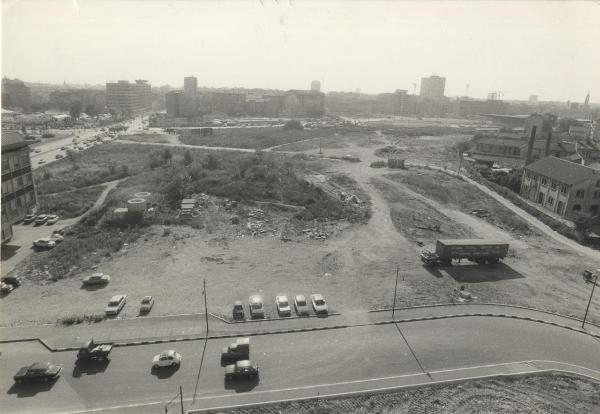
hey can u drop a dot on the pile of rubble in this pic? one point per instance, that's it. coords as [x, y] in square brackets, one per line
[256, 213]
[316, 234]
[350, 198]
[255, 227]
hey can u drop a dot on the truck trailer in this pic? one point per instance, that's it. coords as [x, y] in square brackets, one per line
[480, 251]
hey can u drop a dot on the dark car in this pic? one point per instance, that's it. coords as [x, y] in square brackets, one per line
[40, 371]
[241, 369]
[238, 310]
[12, 280]
[29, 218]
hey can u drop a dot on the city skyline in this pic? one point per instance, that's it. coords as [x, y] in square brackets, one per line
[375, 48]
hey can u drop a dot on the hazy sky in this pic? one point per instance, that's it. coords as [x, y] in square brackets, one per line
[520, 48]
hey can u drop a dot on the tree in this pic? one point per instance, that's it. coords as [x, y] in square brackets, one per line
[292, 124]
[75, 109]
[23, 130]
[187, 158]
[90, 109]
[211, 162]
[461, 147]
[583, 223]
[167, 156]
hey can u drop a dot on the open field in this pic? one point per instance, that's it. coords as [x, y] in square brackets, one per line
[540, 394]
[147, 137]
[260, 138]
[353, 264]
[71, 203]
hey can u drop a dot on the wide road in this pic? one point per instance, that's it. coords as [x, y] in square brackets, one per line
[310, 361]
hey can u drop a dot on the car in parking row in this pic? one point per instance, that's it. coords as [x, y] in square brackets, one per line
[283, 306]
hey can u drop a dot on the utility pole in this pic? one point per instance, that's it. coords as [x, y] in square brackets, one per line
[590, 301]
[181, 398]
[205, 307]
[395, 290]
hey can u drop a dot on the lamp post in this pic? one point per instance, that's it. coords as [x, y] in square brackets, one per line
[395, 290]
[590, 301]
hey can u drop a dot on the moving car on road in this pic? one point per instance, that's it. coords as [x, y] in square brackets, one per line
[146, 304]
[96, 279]
[29, 218]
[241, 369]
[283, 305]
[91, 350]
[318, 303]
[40, 371]
[256, 307]
[44, 243]
[115, 305]
[41, 219]
[52, 219]
[168, 358]
[238, 310]
[301, 305]
[237, 351]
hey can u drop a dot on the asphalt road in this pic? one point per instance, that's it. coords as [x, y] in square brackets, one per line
[309, 360]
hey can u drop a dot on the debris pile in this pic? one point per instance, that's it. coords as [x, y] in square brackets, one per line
[350, 198]
[316, 234]
[480, 212]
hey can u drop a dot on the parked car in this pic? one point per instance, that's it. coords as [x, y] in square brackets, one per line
[11, 280]
[37, 150]
[115, 304]
[41, 219]
[52, 219]
[238, 310]
[257, 309]
[29, 218]
[44, 243]
[94, 351]
[283, 305]
[58, 156]
[590, 275]
[168, 358]
[40, 371]
[5, 288]
[301, 305]
[318, 303]
[96, 279]
[242, 369]
[63, 148]
[57, 238]
[41, 162]
[146, 304]
[59, 231]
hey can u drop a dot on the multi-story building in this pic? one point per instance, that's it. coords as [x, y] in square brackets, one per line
[467, 107]
[190, 86]
[128, 98]
[18, 189]
[432, 87]
[304, 103]
[562, 187]
[315, 86]
[180, 105]
[512, 150]
[15, 94]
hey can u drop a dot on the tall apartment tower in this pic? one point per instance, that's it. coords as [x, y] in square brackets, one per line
[315, 86]
[190, 86]
[432, 87]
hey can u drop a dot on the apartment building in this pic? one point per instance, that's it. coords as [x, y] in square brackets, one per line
[127, 98]
[18, 189]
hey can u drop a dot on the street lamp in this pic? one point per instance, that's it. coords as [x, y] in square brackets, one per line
[590, 301]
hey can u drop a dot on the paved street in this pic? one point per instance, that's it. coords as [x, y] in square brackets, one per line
[310, 362]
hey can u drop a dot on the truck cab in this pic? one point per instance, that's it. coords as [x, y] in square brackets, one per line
[237, 351]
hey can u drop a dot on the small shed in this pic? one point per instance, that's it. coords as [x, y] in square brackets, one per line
[396, 163]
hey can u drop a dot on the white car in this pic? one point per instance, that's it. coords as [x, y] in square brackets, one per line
[44, 242]
[283, 305]
[56, 237]
[167, 358]
[52, 219]
[318, 303]
[115, 304]
[257, 310]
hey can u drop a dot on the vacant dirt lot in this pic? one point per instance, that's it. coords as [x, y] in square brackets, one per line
[543, 394]
[353, 266]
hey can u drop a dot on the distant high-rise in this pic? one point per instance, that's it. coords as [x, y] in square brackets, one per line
[128, 98]
[315, 86]
[190, 86]
[587, 100]
[533, 98]
[492, 96]
[432, 87]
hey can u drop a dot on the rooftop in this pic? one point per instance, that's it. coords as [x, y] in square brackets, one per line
[12, 141]
[562, 170]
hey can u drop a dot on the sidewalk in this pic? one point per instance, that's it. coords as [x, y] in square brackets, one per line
[191, 327]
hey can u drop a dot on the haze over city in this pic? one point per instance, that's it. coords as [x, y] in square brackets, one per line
[519, 48]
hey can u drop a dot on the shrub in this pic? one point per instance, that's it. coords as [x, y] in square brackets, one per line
[293, 124]
[378, 164]
[48, 135]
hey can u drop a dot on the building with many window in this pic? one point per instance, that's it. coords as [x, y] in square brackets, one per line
[127, 98]
[18, 189]
[432, 87]
[562, 187]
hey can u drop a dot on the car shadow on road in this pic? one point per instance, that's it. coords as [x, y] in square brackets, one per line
[89, 367]
[473, 273]
[30, 389]
[240, 385]
[92, 288]
[9, 250]
[164, 372]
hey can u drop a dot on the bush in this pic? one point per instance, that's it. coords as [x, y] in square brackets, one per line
[48, 135]
[292, 124]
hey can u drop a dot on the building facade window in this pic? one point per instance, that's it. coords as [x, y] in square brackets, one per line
[550, 201]
[594, 210]
[563, 189]
[544, 181]
[553, 185]
[580, 193]
[598, 183]
[576, 207]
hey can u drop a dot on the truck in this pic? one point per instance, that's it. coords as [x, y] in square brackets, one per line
[480, 251]
[239, 350]
[92, 350]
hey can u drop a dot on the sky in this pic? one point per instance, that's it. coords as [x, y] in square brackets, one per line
[550, 49]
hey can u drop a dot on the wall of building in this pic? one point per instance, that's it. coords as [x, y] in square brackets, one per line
[550, 194]
[128, 98]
